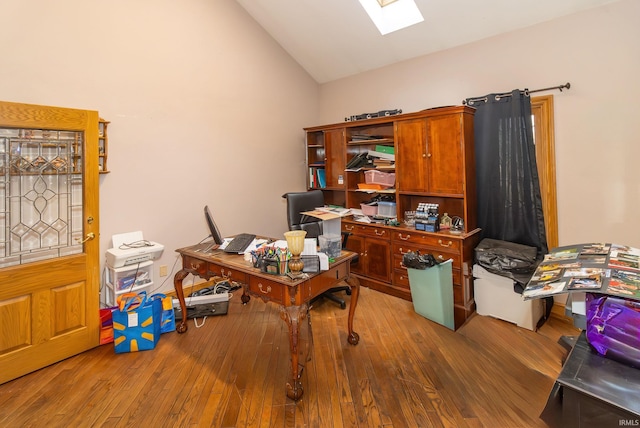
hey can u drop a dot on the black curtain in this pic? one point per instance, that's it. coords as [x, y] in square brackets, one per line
[508, 188]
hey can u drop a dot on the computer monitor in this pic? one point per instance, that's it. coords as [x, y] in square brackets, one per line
[215, 233]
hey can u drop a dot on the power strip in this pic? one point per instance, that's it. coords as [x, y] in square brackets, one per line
[202, 300]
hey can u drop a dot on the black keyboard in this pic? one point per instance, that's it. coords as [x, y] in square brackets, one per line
[239, 243]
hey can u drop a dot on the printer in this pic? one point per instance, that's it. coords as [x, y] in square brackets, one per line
[131, 248]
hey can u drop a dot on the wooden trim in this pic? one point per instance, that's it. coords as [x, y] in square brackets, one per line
[542, 111]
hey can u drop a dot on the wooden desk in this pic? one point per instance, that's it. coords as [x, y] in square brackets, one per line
[293, 296]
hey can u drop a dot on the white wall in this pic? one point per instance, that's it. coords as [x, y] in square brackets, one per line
[597, 127]
[205, 108]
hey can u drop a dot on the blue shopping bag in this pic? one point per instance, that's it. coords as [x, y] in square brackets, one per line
[136, 323]
[168, 323]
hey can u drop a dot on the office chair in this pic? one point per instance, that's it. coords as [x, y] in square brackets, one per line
[298, 202]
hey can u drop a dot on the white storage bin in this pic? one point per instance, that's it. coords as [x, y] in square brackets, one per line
[495, 297]
[133, 278]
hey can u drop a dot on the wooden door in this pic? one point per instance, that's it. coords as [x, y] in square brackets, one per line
[411, 155]
[444, 155]
[49, 277]
[378, 259]
[334, 147]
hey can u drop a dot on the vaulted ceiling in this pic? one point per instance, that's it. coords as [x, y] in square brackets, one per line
[332, 39]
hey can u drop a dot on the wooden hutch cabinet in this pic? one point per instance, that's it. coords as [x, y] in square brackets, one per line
[434, 163]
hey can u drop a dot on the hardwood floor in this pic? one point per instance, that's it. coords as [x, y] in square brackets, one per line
[405, 372]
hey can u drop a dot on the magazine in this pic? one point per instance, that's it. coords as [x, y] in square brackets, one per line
[625, 283]
[594, 267]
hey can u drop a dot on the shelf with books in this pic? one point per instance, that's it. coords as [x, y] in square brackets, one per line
[325, 151]
[317, 178]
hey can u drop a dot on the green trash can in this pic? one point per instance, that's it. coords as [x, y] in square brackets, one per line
[432, 293]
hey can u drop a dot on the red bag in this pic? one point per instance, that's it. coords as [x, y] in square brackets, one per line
[106, 325]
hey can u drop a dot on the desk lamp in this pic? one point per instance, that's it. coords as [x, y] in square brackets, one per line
[295, 244]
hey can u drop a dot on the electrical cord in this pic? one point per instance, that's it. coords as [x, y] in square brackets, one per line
[136, 244]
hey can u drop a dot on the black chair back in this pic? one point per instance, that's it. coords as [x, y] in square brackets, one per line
[298, 202]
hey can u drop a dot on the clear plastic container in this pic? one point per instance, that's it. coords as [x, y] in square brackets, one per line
[331, 245]
[386, 209]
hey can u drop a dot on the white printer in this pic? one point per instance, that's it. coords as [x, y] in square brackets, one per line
[131, 248]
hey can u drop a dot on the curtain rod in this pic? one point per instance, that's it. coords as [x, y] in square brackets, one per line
[526, 92]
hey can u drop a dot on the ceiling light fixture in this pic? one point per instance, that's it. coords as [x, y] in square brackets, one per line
[392, 15]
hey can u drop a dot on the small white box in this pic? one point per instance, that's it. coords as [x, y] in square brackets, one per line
[495, 297]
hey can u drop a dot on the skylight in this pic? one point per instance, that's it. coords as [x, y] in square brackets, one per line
[392, 15]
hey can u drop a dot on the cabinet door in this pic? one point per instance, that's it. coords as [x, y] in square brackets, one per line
[378, 259]
[355, 243]
[334, 145]
[445, 155]
[411, 155]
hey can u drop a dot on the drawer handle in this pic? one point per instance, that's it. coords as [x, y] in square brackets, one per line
[225, 276]
[267, 291]
[349, 228]
[450, 243]
[402, 252]
[440, 256]
[195, 266]
[402, 237]
[382, 232]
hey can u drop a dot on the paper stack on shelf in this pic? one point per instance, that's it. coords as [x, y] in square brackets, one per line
[382, 155]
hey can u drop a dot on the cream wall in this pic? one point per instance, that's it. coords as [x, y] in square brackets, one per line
[205, 108]
[597, 124]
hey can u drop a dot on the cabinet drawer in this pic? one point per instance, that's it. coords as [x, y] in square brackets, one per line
[267, 289]
[440, 242]
[400, 249]
[191, 263]
[401, 279]
[356, 229]
[226, 272]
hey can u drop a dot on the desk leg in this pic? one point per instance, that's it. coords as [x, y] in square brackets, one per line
[354, 283]
[177, 284]
[294, 316]
[245, 294]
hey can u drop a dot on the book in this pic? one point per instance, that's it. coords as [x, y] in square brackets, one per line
[322, 180]
[381, 155]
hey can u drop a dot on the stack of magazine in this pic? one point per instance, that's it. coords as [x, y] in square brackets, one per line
[595, 267]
